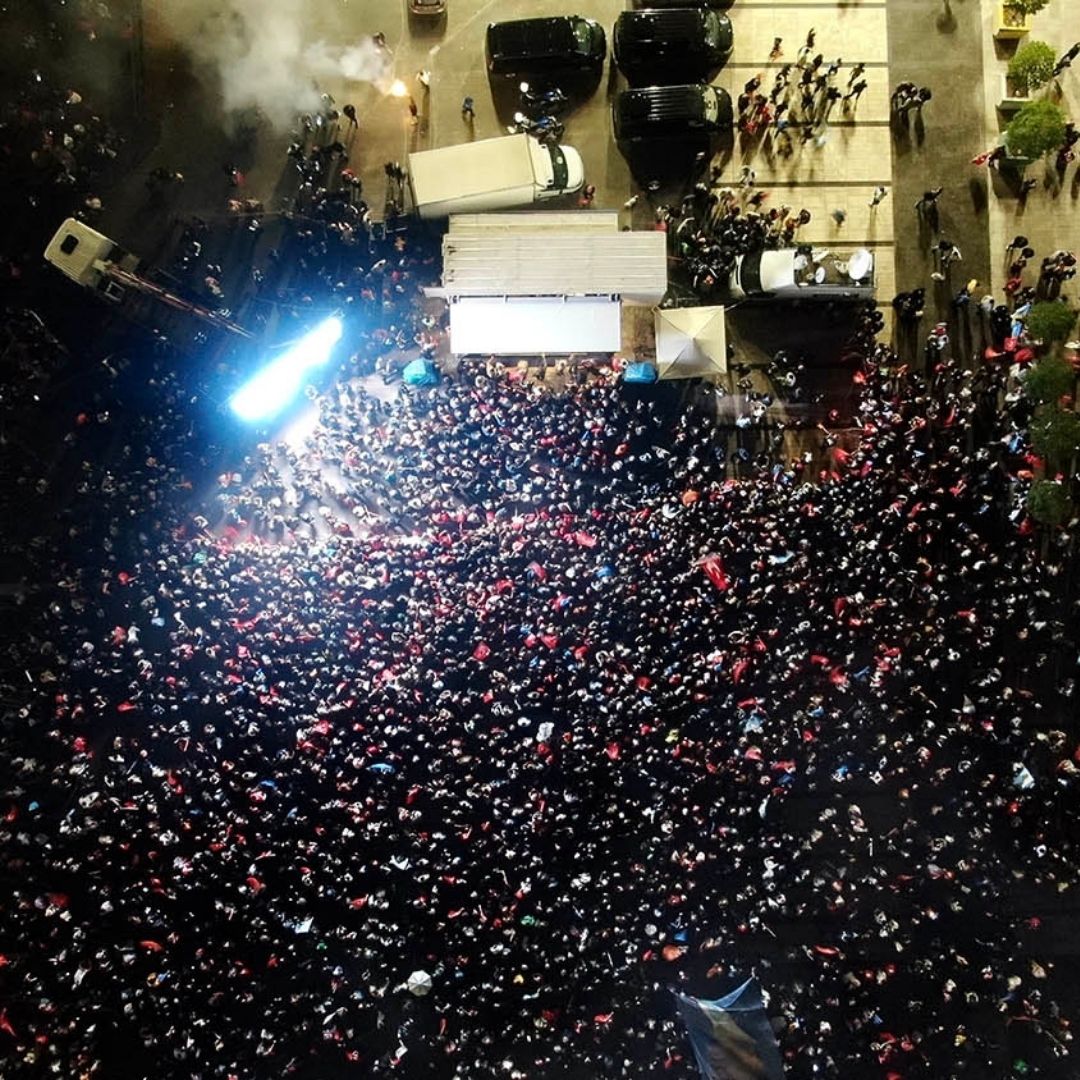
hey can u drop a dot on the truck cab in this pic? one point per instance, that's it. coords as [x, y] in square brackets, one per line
[83, 254]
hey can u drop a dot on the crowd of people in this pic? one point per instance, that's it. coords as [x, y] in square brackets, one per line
[513, 686]
[802, 97]
[449, 733]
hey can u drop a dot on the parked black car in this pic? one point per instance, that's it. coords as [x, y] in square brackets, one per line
[715, 5]
[545, 49]
[671, 114]
[675, 45]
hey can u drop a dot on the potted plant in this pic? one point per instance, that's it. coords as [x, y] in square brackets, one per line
[1011, 20]
[1052, 378]
[1031, 68]
[1048, 503]
[1036, 129]
[1055, 436]
[1049, 322]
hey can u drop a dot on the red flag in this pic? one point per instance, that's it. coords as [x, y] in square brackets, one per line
[713, 566]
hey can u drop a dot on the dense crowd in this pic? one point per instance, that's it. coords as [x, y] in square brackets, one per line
[510, 688]
[513, 686]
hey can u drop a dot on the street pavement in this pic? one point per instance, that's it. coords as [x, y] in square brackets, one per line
[193, 134]
[944, 44]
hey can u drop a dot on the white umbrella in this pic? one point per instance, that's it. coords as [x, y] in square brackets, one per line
[690, 342]
[418, 983]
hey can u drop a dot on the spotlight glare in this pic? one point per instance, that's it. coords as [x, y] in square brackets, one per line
[269, 391]
[398, 88]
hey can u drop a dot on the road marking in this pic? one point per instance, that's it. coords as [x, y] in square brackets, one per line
[471, 19]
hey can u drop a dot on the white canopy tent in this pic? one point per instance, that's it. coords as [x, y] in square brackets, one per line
[531, 325]
[690, 342]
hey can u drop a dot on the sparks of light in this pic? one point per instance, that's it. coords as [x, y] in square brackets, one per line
[269, 391]
[398, 88]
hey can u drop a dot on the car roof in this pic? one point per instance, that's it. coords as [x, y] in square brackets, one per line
[659, 103]
[533, 36]
[650, 23]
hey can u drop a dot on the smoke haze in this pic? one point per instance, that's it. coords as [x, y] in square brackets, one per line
[260, 50]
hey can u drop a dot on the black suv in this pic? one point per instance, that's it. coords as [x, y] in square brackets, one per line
[673, 45]
[545, 49]
[671, 113]
[716, 5]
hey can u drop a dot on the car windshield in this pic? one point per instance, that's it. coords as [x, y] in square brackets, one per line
[712, 28]
[558, 167]
[582, 36]
[750, 273]
[711, 100]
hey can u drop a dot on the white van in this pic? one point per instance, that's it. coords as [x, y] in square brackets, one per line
[492, 174]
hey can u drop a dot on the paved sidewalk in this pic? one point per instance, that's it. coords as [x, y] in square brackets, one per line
[856, 155]
[1050, 215]
[936, 44]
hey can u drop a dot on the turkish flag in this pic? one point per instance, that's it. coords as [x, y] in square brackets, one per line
[713, 566]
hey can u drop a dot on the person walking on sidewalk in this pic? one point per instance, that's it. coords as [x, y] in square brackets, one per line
[945, 253]
[902, 97]
[468, 108]
[879, 194]
[929, 199]
[855, 90]
[1067, 59]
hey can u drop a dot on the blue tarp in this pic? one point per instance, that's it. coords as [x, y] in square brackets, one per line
[640, 372]
[731, 1037]
[420, 372]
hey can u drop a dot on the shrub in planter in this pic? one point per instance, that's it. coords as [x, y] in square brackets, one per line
[1048, 503]
[1032, 66]
[1025, 7]
[1051, 379]
[1036, 129]
[1055, 435]
[1050, 321]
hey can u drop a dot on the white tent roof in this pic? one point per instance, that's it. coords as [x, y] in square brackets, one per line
[528, 261]
[529, 326]
[690, 342]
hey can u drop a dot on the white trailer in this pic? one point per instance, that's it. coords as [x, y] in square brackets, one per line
[492, 174]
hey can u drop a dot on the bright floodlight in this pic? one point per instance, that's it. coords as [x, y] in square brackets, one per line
[264, 395]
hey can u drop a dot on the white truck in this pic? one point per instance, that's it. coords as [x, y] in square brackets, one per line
[101, 265]
[87, 257]
[492, 174]
[788, 274]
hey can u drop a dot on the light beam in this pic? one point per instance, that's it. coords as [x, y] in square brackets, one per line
[271, 390]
